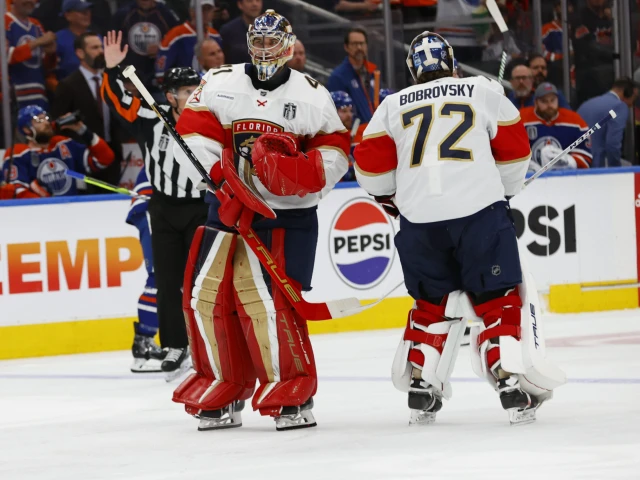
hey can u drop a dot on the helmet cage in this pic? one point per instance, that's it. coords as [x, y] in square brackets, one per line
[268, 60]
[420, 58]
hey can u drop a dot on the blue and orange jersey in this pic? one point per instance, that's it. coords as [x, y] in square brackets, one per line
[552, 41]
[560, 132]
[26, 66]
[177, 48]
[139, 205]
[43, 170]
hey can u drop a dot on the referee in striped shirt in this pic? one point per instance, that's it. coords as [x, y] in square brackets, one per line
[176, 207]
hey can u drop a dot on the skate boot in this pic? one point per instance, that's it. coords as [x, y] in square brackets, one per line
[291, 418]
[176, 363]
[147, 355]
[227, 417]
[520, 405]
[424, 404]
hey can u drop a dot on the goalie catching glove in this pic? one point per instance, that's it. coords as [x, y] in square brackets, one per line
[283, 169]
[239, 200]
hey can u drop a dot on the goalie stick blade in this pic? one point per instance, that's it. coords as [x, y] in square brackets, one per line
[494, 10]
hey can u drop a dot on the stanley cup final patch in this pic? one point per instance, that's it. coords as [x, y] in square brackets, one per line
[289, 111]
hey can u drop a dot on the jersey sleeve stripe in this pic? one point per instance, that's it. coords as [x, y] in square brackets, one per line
[368, 174]
[374, 135]
[511, 144]
[200, 122]
[376, 156]
[130, 114]
[339, 141]
[506, 123]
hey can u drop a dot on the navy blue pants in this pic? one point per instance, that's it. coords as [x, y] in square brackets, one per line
[477, 254]
[298, 243]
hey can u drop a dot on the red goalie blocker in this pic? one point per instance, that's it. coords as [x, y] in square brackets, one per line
[283, 169]
[239, 198]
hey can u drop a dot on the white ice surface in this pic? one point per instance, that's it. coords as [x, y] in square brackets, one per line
[85, 417]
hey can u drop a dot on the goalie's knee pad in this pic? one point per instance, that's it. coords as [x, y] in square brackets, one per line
[277, 337]
[508, 339]
[224, 372]
[429, 347]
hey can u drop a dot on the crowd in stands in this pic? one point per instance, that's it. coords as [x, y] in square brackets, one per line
[56, 62]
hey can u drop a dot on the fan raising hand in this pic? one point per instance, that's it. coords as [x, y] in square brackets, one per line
[113, 54]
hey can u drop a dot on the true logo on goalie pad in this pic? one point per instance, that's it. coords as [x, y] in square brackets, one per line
[289, 112]
[361, 243]
[246, 132]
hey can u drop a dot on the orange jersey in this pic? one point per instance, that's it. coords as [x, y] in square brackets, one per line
[560, 132]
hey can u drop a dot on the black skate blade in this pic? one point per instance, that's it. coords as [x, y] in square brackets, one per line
[296, 427]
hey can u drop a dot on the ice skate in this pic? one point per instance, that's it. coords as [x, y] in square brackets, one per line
[227, 417]
[176, 363]
[147, 355]
[520, 405]
[296, 417]
[424, 406]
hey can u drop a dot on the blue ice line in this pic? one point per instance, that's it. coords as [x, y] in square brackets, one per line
[141, 376]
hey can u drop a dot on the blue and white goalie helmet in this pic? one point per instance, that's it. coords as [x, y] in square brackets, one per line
[429, 52]
[270, 40]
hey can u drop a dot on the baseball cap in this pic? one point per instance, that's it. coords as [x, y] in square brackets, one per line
[203, 3]
[544, 89]
[75, 6]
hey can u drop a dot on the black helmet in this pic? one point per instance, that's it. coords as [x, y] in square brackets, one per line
[180, 77]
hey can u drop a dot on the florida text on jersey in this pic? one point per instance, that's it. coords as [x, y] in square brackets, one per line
[227, 110]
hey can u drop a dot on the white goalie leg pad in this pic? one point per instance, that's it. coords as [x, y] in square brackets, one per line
[527, 357]
[439, 359]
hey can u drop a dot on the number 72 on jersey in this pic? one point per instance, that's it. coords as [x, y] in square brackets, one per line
[447, 148]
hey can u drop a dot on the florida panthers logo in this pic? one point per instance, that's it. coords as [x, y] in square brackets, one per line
[51, 173]
[246, 132]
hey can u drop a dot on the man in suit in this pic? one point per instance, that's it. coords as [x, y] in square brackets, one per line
[81, 91]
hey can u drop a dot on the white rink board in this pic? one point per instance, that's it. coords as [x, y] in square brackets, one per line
[592, 239]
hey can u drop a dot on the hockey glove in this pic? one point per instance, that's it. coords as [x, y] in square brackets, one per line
[388, 202]
[283, 169]
[238, 202]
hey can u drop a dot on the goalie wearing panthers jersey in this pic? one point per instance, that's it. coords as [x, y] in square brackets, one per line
[443, 155]
[272, 138]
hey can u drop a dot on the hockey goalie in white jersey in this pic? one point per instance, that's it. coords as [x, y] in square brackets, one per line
[445, 155]
[278, 131]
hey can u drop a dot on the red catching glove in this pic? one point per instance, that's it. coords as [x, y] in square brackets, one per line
[238, 202]
[283, 169]
[388, 203]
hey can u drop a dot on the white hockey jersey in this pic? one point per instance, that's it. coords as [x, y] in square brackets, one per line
[226, 110]
[446, 149]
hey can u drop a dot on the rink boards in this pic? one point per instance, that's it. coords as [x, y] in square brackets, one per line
[71, 269]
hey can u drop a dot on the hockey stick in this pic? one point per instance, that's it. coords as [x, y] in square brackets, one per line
[586, 135]
[105, 185]
[309, 311]
[494, 10]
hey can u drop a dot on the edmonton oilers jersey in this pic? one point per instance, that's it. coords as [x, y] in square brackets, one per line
[560, 132]
[25, 66]
[49, 166]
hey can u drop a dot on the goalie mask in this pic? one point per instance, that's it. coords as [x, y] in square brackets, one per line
[429, 52]
[270, 40]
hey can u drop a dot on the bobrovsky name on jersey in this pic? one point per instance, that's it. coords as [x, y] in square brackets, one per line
[361, 243]
[437, 91]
